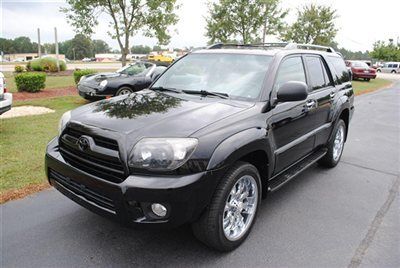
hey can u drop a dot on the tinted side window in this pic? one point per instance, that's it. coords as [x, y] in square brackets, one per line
[317, 73]
[390, 66]
[342, 74]
[395, 65]
[291, 69]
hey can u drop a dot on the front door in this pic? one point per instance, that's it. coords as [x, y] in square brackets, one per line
[291, 123]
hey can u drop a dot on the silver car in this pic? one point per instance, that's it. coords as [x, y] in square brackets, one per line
[390, 67]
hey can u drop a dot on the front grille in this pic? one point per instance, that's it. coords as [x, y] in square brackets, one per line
[99, 164]
[81, 190]
[101, 141]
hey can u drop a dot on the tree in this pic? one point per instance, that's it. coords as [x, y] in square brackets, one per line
[140, 49]
[237, 20]
[151, 17]
[99, 46]
[79, 47]
[386, 52]
[23, 44]
[272, 16]
[315, 25]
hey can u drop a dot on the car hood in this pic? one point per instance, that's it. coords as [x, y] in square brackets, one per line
[153, 114]
[96, 78]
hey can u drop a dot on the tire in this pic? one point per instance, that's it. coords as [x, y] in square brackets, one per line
[379, 70]
[124, 91]
[367, 79]
[209, 228]
[332, 157]
[393, 72]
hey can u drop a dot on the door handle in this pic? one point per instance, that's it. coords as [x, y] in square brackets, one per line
[332, 94]
[311, 104]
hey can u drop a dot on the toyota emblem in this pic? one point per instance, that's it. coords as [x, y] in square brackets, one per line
[83, 143]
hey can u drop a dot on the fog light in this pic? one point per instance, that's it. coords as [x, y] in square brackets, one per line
[159, 210]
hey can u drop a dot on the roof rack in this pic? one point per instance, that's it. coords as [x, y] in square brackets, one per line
[309, 46]
[283, 45]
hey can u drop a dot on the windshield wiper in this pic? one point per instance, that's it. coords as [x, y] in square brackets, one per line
[207, 93]
[167, 89]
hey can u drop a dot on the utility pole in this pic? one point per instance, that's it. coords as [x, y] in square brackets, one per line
[55, 36]
[39, 46]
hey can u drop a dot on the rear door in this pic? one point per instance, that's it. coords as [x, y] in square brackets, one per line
[322, 92]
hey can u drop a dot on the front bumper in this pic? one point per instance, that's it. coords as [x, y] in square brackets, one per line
[90, 93]
[6, 102]
[128, 202]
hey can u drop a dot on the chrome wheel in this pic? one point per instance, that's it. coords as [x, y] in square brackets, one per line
[240, 208]
[124, 91]
[338, 143]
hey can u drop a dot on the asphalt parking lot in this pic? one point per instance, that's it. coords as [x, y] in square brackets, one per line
[346, 216]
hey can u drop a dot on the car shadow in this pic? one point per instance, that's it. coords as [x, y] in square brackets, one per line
[174, 247]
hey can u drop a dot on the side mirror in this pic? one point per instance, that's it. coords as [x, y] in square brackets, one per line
[292, 91]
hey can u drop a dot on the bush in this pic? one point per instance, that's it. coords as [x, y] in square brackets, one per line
[30, 82]
[28, 66]
[47, 64]
[18, 68]
[79, 73]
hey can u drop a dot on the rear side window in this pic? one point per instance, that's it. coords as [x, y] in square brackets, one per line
[395, 65]
[390, 66]
[342, 74]
[291, 69]
[316, 69]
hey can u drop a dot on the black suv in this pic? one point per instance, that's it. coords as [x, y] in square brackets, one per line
[217, 131]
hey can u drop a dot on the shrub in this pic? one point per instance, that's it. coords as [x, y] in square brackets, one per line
[30, 82]
[47, 64]
[18, 68]
[28, 66]
[79, 73]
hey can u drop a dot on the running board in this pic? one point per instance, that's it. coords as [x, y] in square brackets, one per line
[279, 180]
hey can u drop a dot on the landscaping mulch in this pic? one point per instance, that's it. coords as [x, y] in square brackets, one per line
[47, 93]
[20, 193]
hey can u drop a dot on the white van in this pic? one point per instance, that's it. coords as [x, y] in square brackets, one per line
[5, 98]
[390, 67]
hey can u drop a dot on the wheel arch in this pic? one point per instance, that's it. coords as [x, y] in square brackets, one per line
[252, 146]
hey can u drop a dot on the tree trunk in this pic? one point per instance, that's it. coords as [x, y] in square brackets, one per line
[123, 57]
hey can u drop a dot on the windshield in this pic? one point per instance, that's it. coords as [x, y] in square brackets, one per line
[138, 68]
[237, 75]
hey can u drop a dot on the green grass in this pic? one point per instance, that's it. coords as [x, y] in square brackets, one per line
[51, 82]
[361, 87]
[24, 139]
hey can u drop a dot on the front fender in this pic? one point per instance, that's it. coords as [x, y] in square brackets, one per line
[238, 145]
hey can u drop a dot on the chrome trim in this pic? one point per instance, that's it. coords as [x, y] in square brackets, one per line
[301, 139]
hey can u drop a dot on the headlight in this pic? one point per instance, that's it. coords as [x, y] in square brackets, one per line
[63, 121]
[161, 153]
[103, 83]
[82, 77]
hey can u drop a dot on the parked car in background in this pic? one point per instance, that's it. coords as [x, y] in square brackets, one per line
[361, 70]
[390, 67]
[162, 58]
[220, 129]
[129, 79]
[5, 98]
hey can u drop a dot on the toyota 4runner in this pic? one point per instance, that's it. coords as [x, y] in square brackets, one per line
[214, 134]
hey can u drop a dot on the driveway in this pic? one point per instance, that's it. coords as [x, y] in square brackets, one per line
[341, 217]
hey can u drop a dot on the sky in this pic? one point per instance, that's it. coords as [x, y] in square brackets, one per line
[360, 23]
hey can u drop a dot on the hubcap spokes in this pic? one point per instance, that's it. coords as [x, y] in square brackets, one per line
[124, 92]
[338, 143]
[240, 208]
